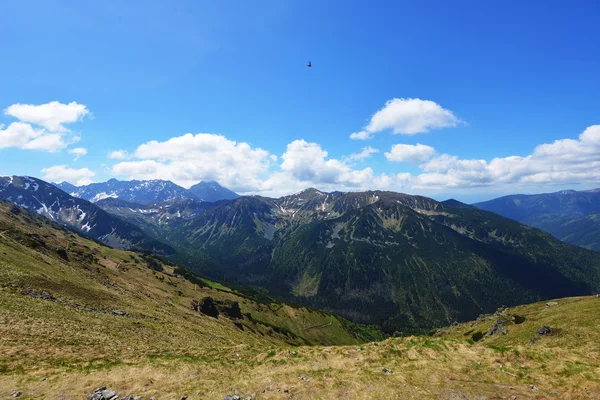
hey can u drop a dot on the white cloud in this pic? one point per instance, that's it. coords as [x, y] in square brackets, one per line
[78, 152]
[362, 135]
[365, 153]
[190, 158]
[62, 173]
[51, 115]
[408, 117]
[18, 134]
[306, 164]
[410, 153]
[565, 161]
[118, 154]
[51, 142]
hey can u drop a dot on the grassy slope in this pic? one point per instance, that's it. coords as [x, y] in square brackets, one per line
[170, 351]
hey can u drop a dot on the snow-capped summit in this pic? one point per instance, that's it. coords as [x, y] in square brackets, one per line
[78, 214]
[155, 190]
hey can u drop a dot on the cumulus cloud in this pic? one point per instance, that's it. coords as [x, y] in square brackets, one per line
[51, 117]
[18, 134]
[307, 164]
[408, 117]
[190, 158]
[62, 173]
[78, 152]
[410, 153]
[365, 153]
[565, 161]
[362, 135]
[118, 154]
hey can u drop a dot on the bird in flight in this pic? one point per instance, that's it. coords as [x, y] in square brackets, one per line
[309, 64]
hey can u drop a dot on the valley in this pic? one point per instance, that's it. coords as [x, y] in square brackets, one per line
[77, 315]
[404, 263]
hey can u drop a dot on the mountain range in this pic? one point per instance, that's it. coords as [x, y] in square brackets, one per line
[150, 191]
[77, 214]
[155, 218]
[572, 216]
[83, 320]
[403, 262]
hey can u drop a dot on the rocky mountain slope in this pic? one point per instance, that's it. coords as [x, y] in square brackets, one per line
[150, 191]
[572, 216]
[405, 262]
[77, 316]
[134, 191]
[80, 215]
[212, 191]
[155, 218]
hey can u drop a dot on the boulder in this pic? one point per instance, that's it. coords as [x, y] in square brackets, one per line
[544, 330]
[233, 311]
[102, 393]
[533, 388]
[209, 307]
[498, 328]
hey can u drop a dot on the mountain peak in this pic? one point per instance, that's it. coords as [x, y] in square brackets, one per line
[136, 191]
[310, 191]
[455, 203]
[212, 191]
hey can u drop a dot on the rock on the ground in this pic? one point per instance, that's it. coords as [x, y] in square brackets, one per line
[544, 330]
[498, 328]
[208, 307]
[533, 388]
[16, 394]
[103, 393]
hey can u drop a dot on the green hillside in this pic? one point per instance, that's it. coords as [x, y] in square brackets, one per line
[407, 263]
[92, 307]
[76, 315]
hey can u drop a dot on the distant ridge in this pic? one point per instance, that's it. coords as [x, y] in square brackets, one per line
[571, 216]
[81, 215]
[147, 191]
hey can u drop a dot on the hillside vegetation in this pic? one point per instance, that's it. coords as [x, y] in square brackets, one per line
[406, 263]
[76, 315]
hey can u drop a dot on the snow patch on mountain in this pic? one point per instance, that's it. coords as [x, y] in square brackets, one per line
[104, 195]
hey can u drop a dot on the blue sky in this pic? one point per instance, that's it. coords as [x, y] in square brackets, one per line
[473, 81]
